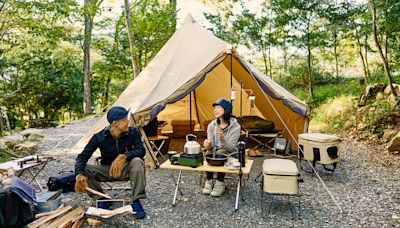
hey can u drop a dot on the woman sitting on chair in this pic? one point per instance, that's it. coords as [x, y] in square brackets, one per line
[223, 135]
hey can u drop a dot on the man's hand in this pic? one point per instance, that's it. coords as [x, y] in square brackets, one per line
[117, 166]
[81, 183]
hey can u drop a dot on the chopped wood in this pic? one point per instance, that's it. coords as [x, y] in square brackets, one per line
[78, 217]
[93, 222]
[49, 213]
[98, 193]
[43, 220]
[78, 223]
[64, 220]
[109, 213]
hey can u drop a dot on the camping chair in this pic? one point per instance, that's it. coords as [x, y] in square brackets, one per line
[108, 184]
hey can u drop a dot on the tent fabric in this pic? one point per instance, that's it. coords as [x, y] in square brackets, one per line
[194, 61]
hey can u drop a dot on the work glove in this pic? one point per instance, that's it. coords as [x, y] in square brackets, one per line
[117, 166]
[81, 183]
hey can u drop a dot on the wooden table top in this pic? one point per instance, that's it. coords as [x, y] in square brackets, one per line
[208, 168]
[14, 164]
[157, 137]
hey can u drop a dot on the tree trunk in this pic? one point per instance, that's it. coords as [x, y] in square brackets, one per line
[265, 61]
[21, 114]
[131, 38]
[335, 53]
[106, 92]
[386, 31]
[8, 125]
[87, 97]
[366, 54]
[310, 88]
[270, 61]
[360, 53]
[1, 121]
[378, 46]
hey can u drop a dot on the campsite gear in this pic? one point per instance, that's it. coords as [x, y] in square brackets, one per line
[129, 143]
[319, 148]
[103, 204]
[181, 127]
[242, 153]
[192, 160]
[192, 147]
[17, 201]
[45, 204]
[281, 145]
[280, 176]
[81, 183]
[217, 159]
[117, 165]
[219, 188]
[137, 207]
[171, 153]
[64, 181]
[34, 164]
[151, 128]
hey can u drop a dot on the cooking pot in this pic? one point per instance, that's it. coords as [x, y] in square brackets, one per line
[219, 159]
[192, 147]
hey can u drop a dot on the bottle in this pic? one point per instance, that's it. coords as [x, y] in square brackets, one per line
[242, 153]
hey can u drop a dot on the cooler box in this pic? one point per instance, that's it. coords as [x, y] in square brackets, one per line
[322, 148]
[280, 176]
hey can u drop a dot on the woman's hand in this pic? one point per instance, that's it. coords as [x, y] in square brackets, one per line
[219, 133]
[207, 143]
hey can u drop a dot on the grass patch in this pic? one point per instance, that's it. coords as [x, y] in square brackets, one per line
[322, 93]
[336, 114]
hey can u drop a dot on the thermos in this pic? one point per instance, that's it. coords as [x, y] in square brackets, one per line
[242, 153]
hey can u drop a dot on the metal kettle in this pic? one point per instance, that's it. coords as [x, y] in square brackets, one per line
[192, 147]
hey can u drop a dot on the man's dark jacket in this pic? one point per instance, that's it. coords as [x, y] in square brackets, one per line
[129, 143]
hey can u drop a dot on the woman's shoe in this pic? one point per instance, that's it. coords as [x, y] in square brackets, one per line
[208, 187]
[219, 188]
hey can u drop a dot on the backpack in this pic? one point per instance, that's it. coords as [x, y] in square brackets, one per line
[64, 181]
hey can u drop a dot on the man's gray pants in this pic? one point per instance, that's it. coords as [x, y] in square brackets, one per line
[133, 170]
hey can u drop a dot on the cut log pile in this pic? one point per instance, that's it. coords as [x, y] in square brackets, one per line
[67, 216]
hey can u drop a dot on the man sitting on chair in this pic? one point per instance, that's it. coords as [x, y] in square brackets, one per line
[122, 155]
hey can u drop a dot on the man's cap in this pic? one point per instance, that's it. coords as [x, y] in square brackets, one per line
[224, 104]
[116, 113]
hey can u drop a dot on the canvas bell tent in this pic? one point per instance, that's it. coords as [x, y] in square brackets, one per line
[194, 69]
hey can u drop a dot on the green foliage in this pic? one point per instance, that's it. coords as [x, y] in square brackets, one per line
[334, 115]
[377, 115]
[329, 88]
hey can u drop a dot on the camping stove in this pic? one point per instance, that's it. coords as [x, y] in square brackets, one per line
[192, 160]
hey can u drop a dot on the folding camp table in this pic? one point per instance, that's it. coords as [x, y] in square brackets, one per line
[27, 164]
[209, 168]
[157, 149]
[252, 134]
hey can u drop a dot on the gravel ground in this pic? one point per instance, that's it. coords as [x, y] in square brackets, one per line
[365, 185]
